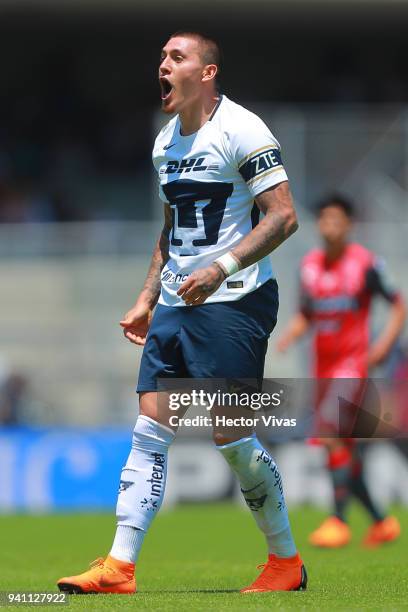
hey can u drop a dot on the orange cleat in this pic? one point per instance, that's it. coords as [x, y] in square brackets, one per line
[280, 574]
[105, 576]
[381, 532]
[332, 533]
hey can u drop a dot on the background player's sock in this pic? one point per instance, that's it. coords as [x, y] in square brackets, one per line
[261, 485]
[142, 486]
[359, 489]
[339, 465]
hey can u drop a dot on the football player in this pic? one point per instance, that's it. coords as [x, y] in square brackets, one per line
[215, 301]
[337, 285]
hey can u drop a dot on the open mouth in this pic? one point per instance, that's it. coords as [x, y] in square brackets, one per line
[166, 88]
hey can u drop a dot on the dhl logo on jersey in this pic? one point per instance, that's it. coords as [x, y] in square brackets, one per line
[193, 164]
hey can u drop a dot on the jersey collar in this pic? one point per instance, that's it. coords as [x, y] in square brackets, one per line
[216, 107]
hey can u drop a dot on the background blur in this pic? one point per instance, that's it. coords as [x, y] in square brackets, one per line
[79, 108]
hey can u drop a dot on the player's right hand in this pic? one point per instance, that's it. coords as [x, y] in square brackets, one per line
[136, 324]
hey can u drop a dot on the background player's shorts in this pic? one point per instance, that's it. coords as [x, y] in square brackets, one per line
[338, 403]
[217, 340]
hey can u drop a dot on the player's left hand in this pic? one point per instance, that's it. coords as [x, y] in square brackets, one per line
[201, 284]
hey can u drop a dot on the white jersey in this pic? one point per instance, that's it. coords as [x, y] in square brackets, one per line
[210, 179]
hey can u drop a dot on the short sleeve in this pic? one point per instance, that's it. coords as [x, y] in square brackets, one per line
[161, 194]
[305, 301]
[378, 282]
[257, 154]
[157, 160]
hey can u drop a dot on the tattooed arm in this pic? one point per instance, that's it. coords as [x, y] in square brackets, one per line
[136, 322]
[277, 225]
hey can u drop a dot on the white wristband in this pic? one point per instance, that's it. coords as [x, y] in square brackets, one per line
[228, 263]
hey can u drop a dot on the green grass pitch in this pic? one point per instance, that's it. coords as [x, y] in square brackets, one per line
[198, 557]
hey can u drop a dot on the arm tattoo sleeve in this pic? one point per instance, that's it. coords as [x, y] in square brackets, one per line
[277, 225]
[151, 287]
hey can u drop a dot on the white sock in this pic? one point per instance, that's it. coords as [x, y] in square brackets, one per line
[261, 485]
[142, 486]
[127, 543]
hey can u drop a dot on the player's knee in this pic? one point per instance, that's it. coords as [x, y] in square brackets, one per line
[155, 406]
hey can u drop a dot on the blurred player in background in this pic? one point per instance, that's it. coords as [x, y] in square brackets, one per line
[216, 303]
[337, 285]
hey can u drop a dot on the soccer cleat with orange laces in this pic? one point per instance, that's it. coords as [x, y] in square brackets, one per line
[381, 532]
[279, 574]
[105, 576]
[332, 533]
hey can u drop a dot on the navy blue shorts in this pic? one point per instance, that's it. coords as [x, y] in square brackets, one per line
[218, 340]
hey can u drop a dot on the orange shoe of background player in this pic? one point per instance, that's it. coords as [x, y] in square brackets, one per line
[280, 574]
[105, 576]
[381, 532]
[332, 533]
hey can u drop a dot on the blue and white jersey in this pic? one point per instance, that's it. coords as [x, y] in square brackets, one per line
[210, 179]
